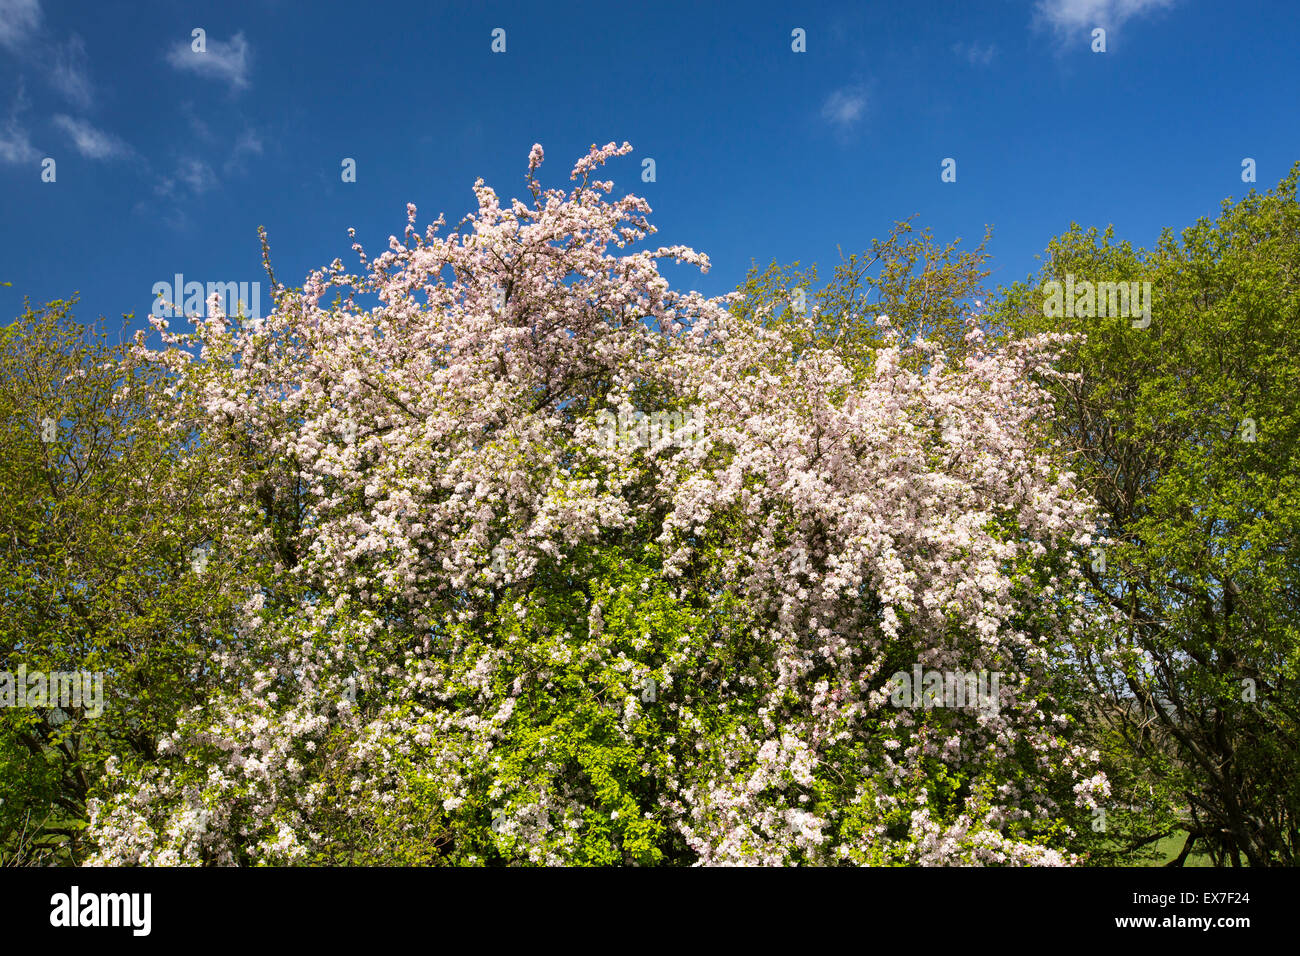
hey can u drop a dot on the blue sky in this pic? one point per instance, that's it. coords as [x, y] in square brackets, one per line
[166, 161]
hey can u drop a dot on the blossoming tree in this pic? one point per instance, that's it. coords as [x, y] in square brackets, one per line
[490, 634]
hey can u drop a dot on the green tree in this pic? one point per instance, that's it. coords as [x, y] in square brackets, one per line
[1186, 429]
[926, 289]
[99, 518]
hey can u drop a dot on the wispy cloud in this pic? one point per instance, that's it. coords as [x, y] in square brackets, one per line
[91, 142]
[845, 107]
[197, 124]
[1070, 17]
[196, 174]
[15, 142]
[190, 172]
[228, 62]
[19, 19]
[16, 145]
[248, 144]
[171, 215]
[70, 74]
[975, 54]
[65, 66]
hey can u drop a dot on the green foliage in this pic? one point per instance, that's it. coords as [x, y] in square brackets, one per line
[1188, 433]
[925, 289]
[604, 676]
[99, 515]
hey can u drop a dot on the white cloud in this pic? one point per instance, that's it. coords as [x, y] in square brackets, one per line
[15, 143]
[175, 194]
[18, 20]
[70, 74]
[248, 144]
[1069, 17]
[196, 174]
[91, 142]
[199, 127]
[975, 54]
[65, 66]
[228, 62]
[845, 107]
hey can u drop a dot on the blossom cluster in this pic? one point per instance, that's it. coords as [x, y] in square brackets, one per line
[498, 583]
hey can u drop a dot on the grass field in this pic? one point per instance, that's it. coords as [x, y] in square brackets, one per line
[1172, 845]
